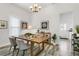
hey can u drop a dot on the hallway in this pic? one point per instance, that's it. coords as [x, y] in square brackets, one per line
[65, 47]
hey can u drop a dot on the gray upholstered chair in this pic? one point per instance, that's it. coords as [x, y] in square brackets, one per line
[22, 46]
[13, 44]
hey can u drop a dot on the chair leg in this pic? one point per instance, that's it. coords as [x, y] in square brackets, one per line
[23, 52]
[73, 53]
[10, 49]
[17, 52]
[14, 50]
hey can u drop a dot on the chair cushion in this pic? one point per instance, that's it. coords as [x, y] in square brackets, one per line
[22, 45]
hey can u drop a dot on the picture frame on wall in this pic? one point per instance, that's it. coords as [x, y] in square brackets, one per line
[3, 24]
[24, 25]
[45, 24]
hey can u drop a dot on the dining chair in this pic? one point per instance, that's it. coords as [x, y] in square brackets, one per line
[13, 44]
[48, 34]
[50, 49]
[75, 45]
[22, 46]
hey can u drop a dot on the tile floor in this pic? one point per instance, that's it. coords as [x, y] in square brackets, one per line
[64, 49]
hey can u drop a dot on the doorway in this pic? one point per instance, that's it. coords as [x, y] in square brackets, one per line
[65, 26]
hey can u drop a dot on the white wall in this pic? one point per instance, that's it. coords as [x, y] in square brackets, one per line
[76, 17]
[48, 13]
[7, 10]
[53, 12]
[69, 8]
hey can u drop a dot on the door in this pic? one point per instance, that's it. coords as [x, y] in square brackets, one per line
[65, 24]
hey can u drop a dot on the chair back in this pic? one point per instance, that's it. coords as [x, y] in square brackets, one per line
[13, 41]
[21, 45]
[50, 49]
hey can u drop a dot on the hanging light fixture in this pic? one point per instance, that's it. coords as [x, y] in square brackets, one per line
[35, 7]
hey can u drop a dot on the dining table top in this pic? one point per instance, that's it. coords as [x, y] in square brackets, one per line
[37, 39]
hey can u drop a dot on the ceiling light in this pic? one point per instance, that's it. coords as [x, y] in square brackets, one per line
[35, 7]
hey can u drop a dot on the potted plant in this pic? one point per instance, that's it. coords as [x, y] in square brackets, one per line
[77, 30]
[28, 34]
[54, 37]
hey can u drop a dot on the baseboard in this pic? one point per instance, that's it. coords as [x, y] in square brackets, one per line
[3, 46]
[63, 38]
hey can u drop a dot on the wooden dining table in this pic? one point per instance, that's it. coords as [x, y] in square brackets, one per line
[33, 40]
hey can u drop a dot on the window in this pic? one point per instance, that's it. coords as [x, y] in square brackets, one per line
[63, 26]
[14, 26]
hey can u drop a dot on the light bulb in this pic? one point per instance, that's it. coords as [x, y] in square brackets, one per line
[35, 8]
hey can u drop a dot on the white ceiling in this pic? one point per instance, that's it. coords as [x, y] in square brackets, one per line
[58, 6]
[26, 6]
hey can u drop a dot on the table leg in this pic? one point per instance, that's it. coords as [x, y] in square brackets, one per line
[27, 42]
[32, 44]
[40, 50]
[42, 46]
